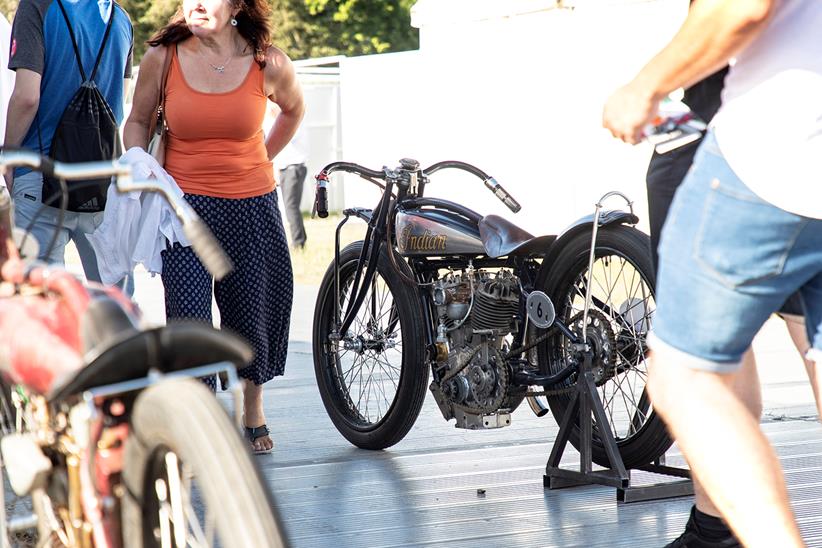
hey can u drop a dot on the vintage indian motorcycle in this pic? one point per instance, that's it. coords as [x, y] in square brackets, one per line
[495, 314]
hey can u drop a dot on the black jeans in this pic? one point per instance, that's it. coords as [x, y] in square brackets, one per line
[291, 182]
[665, 173]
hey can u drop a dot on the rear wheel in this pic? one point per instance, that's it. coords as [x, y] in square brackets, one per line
[373, 383]
[189, 477]
[622, 284]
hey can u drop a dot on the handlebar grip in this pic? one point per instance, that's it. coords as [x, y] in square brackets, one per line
[321, 200]
[502, 194]
[207, 248]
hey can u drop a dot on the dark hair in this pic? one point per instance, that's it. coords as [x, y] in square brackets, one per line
[252, 24]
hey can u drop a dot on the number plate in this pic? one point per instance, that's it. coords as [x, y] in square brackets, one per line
[540, 309]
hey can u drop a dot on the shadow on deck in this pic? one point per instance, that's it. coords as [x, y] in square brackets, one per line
[423, 491]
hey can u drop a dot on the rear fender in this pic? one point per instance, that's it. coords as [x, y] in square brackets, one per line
[583, 224]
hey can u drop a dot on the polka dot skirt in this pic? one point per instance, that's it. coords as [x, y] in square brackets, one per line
[255, 298]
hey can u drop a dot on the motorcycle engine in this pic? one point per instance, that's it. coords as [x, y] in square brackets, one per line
[476, 311]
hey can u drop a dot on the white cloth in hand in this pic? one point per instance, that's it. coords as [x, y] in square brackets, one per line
[136, 225]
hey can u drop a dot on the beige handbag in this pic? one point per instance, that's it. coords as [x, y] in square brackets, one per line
[157, 143]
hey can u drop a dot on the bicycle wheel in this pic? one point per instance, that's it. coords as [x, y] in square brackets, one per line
[622, 284]
[189, 477]
[373, 388]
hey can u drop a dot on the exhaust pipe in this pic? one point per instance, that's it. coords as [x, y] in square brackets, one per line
[536, 406]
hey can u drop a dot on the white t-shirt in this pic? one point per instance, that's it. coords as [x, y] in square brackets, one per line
[769, 127]
[6, 75]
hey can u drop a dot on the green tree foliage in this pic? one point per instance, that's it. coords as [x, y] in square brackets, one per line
[313, 28]
[8, 7]
[302, 28]
[148, 16]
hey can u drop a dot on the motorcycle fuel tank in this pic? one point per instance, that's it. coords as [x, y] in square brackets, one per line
[436, 233]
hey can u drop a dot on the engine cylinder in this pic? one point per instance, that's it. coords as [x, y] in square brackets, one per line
[495, 305]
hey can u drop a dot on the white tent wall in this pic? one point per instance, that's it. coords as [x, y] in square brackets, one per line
[515, 87]
[322, 124]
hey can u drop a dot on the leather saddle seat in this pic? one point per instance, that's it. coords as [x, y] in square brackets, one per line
[119, 351]
[501, 237]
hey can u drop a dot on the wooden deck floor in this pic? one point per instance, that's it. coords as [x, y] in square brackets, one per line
[423, 491]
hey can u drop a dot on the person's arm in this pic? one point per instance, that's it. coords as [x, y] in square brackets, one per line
[713, 33]
[144, 101]
[23, 105]
[288, 95]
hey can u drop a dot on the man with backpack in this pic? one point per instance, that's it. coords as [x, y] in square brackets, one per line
[71, 58]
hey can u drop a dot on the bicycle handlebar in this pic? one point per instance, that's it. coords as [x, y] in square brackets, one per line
[321, 194]
[203, 242]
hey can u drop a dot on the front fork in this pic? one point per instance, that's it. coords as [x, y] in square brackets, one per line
[369, 257]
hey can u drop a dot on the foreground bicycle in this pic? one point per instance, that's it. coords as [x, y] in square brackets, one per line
[108, 437]
[495, 314]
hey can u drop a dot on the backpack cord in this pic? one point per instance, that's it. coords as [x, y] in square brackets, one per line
[74, 41]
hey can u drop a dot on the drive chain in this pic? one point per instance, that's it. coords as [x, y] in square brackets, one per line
[544, 337]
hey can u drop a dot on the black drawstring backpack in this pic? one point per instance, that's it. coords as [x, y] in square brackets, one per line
[86, 132]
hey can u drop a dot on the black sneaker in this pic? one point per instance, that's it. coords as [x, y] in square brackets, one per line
[692, 537]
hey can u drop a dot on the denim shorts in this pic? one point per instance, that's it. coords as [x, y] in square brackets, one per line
[728, 259]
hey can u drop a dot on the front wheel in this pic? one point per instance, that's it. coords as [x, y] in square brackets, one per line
[188, 475]
[622, 283]
[373, 381]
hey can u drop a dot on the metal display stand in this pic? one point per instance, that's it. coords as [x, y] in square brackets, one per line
[587, 407]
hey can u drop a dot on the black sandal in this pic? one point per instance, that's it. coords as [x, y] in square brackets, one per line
[253, 434]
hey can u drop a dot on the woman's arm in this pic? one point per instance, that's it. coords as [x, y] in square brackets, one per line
[284, 90]
[146, 95]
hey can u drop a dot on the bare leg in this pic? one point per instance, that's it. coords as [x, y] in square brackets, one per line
[253, 414]
[727, 451]
[796, 328]
[745, 385]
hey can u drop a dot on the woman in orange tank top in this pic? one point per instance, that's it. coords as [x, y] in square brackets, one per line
[222, 71]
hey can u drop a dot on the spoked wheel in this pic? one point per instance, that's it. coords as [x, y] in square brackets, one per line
[619, 320]
[189, 478]
[372, 380]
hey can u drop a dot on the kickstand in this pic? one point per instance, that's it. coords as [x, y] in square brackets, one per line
[586, 406]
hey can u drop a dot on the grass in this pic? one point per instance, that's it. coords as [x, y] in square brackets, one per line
[310, 263]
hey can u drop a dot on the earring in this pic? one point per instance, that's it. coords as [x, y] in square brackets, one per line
[233, 22]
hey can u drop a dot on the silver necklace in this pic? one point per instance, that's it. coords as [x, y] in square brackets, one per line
[220, 68]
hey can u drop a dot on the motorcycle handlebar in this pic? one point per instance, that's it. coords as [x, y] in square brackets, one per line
[202, 240]
[321, 194]
[503, 195]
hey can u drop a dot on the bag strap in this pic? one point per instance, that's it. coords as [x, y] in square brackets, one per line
[164, 79]
[74, 41]
[159, 113]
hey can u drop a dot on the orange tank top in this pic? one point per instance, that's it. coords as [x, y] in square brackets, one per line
[215, 144]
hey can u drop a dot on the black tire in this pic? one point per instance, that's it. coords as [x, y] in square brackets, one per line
[183, 418]
[621, 251]
[399, 315]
